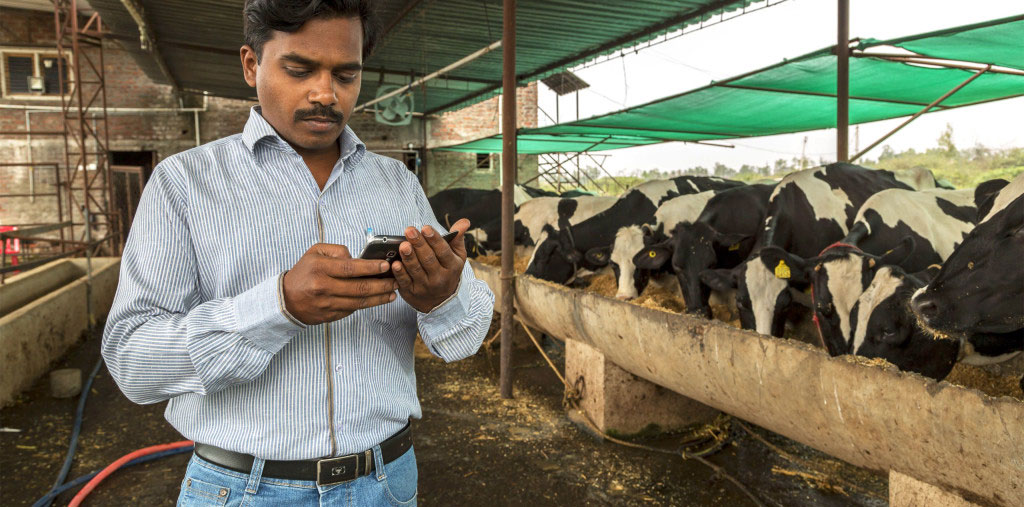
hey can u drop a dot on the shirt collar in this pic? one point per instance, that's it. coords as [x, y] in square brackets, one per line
[257, 129]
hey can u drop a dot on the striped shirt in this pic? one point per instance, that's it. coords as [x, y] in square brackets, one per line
[198, 318]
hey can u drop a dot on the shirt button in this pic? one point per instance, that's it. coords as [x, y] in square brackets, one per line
[337, 368]
[223, 492]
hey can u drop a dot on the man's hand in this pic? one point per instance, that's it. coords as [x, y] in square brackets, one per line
[326, 285]
[430, 269]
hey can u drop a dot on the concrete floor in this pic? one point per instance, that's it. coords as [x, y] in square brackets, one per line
[473, 448]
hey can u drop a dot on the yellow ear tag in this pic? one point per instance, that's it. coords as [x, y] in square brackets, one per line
[652, 254]
[734, 247]
[782, 270]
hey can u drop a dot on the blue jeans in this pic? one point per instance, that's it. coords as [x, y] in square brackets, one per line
[209, 484]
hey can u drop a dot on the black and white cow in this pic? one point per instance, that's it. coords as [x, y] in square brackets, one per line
[632, 240]
[886, 328]
[483, 209]
[807, 211]
[559, 256]
[534, 215]
[894, 227]
[978, 294]
[722, 235]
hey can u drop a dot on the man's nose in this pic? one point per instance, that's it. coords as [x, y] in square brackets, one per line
[323, 90]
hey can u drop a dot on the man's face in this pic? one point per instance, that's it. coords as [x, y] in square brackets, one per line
[307, 82]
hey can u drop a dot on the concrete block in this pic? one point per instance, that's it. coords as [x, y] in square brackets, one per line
[906, 491]
[621, 403]
[65, 382]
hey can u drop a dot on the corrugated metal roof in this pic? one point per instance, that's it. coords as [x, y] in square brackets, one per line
[199, 40]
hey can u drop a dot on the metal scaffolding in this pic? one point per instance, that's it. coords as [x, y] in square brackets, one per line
[86, 153]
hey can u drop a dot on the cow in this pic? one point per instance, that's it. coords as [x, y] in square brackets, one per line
[886, 328]
[483, 209]
[562, 253]
[630, 241]
[807, 211]
[978, 294]
[894, 227]
[720, 236]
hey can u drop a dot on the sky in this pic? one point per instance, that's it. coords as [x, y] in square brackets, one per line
[757, 39]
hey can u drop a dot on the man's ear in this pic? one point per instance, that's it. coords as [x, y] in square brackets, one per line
[250, 62]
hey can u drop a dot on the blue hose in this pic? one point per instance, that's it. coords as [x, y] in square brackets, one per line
[45, 500]
[77, 428]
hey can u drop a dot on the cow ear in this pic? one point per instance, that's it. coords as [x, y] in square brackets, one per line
[732, 241]
[566, 245]
[785, 265]
[646, 229]
[598, 255]
[652, 257]
[721, 280]
[900, 253]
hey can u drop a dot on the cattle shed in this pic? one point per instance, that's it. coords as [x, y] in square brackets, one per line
[115, 86]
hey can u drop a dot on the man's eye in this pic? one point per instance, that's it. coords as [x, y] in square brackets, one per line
[344, 79]
[297, 72]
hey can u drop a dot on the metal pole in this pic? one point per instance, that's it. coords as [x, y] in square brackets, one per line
[919, 113]
[843, 83]
[88, 268]
[508, 179]
[448, 68]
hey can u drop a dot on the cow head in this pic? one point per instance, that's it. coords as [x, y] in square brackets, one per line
[762, 299]
[696, 247]
[837, 278]
[887, 328]
[630, 244]
[980, 287]
[548, 262]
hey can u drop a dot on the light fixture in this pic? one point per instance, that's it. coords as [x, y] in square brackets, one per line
[35, 84]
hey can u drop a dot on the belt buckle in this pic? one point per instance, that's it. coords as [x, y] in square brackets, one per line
[337, 470]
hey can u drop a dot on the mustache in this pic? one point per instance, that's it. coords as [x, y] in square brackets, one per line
[319, 111]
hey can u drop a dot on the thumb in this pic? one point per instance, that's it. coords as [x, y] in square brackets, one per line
[459, 243]
[331, 250]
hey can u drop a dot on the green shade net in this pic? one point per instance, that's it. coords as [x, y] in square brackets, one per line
[795, 96]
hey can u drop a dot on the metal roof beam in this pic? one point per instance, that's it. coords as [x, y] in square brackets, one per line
[610, 45]
[147, 40]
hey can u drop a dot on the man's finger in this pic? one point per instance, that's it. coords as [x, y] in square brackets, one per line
[442, 251]
[332, 250]
[424, 254]
[401, 275]
[351, 268]
[411, 263]
[359, 287]
[351, 304]
[458, 245]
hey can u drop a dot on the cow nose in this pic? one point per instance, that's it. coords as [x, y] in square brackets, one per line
[926, 308]
[623, 297]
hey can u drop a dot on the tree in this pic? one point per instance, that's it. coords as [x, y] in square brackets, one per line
[946, 140]
[887, 152]
[781, 166]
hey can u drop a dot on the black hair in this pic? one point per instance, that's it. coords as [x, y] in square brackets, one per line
[262, 16]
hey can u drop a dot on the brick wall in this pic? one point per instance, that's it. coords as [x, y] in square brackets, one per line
[474, 122]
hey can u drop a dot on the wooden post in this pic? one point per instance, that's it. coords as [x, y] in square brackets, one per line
[508, 178]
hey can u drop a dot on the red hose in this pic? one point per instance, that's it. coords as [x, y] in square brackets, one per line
[111, 468]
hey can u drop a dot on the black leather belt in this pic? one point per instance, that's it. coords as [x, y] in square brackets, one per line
[324, 471]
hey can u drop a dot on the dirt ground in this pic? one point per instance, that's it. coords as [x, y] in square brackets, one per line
[473, 448]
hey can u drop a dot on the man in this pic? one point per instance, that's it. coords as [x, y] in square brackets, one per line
[290, 367]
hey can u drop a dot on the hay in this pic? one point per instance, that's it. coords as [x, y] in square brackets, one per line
[603, 284]
[519, 263]
[991, 384]
[662, 299]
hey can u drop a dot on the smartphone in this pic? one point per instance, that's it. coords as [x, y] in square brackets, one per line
[385, 247]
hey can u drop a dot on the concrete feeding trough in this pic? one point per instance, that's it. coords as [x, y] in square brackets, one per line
[43, 312]
[962, 441]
